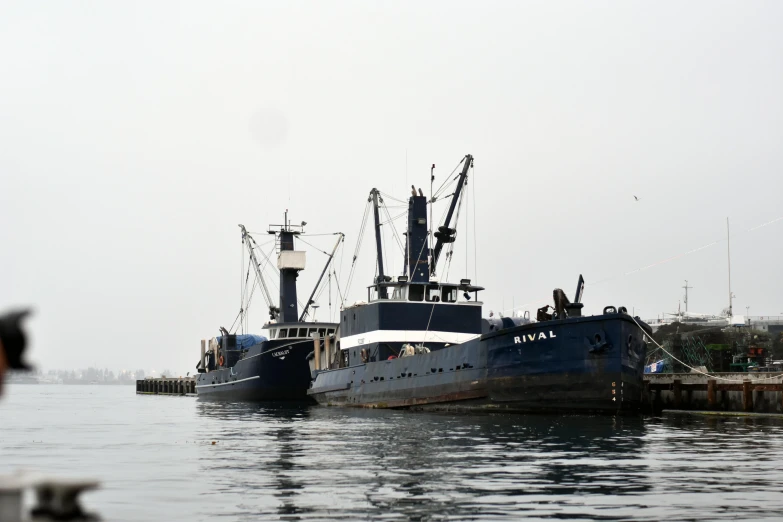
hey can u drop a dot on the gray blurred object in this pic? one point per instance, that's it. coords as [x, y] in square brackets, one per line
[13, 340]
[56, 499]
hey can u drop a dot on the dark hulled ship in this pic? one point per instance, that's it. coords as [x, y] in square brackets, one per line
[420, 341]
[258, 368]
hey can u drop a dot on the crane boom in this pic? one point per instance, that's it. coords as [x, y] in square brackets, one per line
[445, 234]
[326, 266]
[247, 239]
[379, 251]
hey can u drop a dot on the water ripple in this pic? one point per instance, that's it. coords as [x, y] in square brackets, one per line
[156, 458]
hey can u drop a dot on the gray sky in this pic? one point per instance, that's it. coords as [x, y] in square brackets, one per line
[136, 135]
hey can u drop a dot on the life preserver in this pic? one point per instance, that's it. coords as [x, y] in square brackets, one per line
[220, 361]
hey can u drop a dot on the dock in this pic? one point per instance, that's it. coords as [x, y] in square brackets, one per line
[167, 386]
[725, 392]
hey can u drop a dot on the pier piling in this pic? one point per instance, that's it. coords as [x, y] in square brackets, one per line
[167, 386]
[737, 392]
[711, 393]
[317, 351]
[677, 387]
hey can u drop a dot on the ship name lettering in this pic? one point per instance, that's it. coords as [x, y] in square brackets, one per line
[533, 337]
[281, 353]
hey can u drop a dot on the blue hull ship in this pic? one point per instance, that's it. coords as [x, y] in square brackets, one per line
[268, 369]
[421, 342]
[578, 364]
[275, 368]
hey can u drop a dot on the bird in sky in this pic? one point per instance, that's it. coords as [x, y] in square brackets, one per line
[637, 199]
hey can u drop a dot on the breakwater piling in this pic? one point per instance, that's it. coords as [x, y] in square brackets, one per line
[167, 386]
[730, 392]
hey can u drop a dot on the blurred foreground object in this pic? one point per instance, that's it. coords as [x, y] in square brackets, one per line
[56, 499]
[12, 343]
[12, 339]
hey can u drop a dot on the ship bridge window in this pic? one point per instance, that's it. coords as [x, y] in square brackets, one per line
[415, 292]
[374, 293]
[398, 293]
[322, 332]
[449, 294]
[272, 334]
[303, 332]
[330, 331]
[312, 331]
[283, 333]
[433, 294]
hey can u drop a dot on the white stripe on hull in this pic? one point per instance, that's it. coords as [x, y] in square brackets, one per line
[404, 336]
[227, 383]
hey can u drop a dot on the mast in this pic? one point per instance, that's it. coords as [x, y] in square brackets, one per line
[444, 233]
[382, 292]
[728, 251]
[417, 253]
[289, 262]
[274, 312]
[686, 287]
[326, 266]
[432, 200]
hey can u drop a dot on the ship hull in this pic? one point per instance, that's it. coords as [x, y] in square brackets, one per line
[582, 364]
[554, 366]
[270, 371]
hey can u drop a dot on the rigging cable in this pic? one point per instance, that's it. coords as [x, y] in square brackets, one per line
[235, 320]
[385, 195]
[312, 245]
[242, 284]
[358, 247]
[674, 258]
[394, 229]
[337, 283]
[448, 180]
[475, 237]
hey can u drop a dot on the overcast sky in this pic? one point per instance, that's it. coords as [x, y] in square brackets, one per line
[135, 136]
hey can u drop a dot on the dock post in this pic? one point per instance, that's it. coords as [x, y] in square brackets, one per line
[747, 396]
[328, 351]
[317, 351]
[677, 388]
[711, 393]
[203, 353]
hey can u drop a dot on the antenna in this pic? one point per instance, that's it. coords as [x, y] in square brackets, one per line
[432, 203]
[686, 287]
[728, 248]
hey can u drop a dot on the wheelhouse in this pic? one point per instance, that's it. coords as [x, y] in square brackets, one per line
[300, 330]
[402, 290]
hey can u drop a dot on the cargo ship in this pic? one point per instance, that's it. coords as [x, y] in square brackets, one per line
[420, 341]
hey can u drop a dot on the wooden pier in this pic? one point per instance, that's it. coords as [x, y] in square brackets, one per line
[167, 386]
[730, 392]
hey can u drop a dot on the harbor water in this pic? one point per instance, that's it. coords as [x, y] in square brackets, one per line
[156, 459]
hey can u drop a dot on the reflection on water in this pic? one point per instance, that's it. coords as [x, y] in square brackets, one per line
[280, 461]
